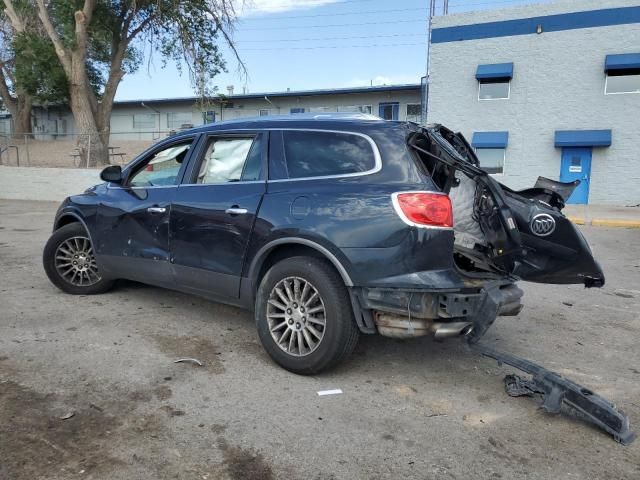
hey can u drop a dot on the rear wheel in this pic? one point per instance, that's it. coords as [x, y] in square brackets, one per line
[70, 263]
[304, 315]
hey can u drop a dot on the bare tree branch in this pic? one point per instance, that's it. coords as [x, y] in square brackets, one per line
[220, 25]
[83, 19]
[16, 21]
[61, 51]
[143, 24]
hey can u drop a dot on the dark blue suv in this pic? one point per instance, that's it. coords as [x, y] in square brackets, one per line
[327, 227]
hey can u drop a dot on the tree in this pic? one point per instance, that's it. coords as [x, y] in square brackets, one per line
[16, 98]
[98, 41]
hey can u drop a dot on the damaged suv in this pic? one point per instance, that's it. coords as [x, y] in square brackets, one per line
[326, 227]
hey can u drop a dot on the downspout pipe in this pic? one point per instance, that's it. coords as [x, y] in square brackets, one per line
[144, 105]
[272, 104]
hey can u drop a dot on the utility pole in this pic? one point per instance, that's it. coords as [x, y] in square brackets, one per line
[425, 79]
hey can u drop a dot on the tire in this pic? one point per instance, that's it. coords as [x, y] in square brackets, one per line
[62, 247]
[339, 334]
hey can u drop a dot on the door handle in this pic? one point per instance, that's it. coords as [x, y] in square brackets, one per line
[236, 211]
[156, 209]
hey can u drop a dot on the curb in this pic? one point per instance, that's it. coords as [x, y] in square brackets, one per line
[600, 222]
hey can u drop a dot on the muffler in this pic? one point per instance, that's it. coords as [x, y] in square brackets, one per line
[397, 326]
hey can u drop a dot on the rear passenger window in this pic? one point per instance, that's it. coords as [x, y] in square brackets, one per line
[315, 154]
[231, 160]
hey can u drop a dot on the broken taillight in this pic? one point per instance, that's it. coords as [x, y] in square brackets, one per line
[424, 209]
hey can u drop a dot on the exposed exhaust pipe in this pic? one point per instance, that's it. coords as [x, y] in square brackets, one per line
[451, 329]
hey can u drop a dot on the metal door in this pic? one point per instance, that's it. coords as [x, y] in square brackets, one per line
[576, 165]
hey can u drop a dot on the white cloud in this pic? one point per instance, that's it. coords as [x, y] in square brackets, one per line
[260, 7]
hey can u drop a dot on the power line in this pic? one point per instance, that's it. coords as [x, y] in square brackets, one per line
[343, 14]
[336, 25]
[332, 47]
[494, 2]
[239, 42]
[313, 5]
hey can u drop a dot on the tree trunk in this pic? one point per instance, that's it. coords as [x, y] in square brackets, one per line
[22, 115]
[91, 142]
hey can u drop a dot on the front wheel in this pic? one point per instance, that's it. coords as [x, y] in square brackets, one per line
[70, 263]
[304, 315]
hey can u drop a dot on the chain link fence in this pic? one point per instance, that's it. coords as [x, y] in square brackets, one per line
[65, 150]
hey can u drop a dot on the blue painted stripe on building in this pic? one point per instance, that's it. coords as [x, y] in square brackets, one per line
[490, 139]
[526, 26]
[623, 61]
[583, 138]
[494, 70]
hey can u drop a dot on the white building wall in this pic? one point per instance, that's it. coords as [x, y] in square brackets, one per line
[558, 84]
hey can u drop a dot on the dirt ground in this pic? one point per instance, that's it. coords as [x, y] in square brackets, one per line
[89, 388]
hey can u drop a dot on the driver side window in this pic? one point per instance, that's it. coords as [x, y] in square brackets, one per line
[162, 167]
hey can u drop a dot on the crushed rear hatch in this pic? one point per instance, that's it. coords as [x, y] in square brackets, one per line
[502, 231]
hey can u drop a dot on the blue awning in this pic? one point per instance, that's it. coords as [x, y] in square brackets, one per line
[623, 61]
[583, 138]
[494, 71]
[490, 139]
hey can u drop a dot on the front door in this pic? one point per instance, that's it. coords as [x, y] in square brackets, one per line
[214, 211]
[132, 226]
[576, 165]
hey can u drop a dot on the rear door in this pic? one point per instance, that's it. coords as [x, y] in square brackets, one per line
[214, 211]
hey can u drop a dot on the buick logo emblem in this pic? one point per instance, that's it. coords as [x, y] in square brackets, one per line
[543, 224]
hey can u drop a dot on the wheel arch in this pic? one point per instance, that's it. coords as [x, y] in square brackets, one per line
[67, 218]
[282, 248]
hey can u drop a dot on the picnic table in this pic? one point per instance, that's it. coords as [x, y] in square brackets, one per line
[113, 153]
[76, 155]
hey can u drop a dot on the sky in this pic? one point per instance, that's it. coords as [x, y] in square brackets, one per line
[309, 44]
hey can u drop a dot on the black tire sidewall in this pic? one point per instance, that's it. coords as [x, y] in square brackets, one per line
[339, 317]
[48, 261]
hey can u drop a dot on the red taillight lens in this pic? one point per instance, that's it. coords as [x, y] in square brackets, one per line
[424, 209]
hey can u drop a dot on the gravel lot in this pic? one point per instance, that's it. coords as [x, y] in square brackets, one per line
[413, 409]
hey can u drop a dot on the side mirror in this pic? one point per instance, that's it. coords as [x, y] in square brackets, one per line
[112, 173]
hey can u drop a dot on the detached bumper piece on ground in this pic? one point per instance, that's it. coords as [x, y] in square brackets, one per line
[557, 390]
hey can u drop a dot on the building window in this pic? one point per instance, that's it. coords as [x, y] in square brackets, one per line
[321, 109]
[494, 81]
[355, 108]
[414, 111]
[490, 148]
[178, 119]
[264, 112]
[144, 120]
[493, 89]
[492, 159]
[622, 81]
[622, 73]
[296, 110]
[209, 116]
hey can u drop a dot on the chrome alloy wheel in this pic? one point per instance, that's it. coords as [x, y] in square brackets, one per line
[296, 316]
[75, 262]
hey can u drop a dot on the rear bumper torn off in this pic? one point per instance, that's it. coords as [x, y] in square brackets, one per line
[407, 314]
